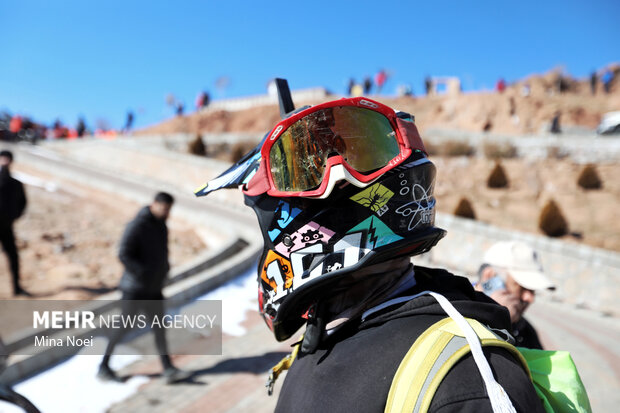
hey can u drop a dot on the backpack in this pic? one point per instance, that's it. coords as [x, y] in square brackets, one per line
[443, 344]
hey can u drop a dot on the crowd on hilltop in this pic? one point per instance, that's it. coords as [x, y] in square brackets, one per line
[557, 83]
[554, 82]
[17, 127]
[367, 86]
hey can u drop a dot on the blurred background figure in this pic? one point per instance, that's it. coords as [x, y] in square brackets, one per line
[500, 86]
[380, 79]
[607, 78]
[144, 254]
[59, 131]
[404, 90]
[128, 122]
[81, 127]
[511, 273]
[180, 108]
[15, 126]
[428, 84]
[12, 206]
[202, 100]
[593, 82]
[357, 90]
[555, 123]
[367, 85]
[526, 90]
[350, 85]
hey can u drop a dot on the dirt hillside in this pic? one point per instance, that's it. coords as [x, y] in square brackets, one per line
[524, 107]
[514, 111]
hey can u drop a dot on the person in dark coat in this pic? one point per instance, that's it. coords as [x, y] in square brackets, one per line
[12, 206]
[144, 254]
[511, 274]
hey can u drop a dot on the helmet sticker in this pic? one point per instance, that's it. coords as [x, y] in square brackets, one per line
[285, 214]
[374, 197]
[309, 234]
[423, 203]
[277, 274]
[377, 233]
[318, 259]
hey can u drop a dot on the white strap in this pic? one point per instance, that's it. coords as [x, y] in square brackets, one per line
[499, 399]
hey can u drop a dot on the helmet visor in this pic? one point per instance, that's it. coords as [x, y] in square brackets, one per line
[364, 138]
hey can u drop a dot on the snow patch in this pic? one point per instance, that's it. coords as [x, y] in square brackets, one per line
[238, 296]
[73, 386]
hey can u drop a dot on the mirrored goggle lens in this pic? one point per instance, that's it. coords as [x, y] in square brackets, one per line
[364, 138]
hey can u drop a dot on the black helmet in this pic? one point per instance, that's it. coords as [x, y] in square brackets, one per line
[336, 187]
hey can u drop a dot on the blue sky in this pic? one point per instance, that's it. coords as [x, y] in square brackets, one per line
[99, 59]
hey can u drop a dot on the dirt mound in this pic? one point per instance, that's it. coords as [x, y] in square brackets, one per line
[589, 179]
[464, 209]
[497, 177]
[552, 221]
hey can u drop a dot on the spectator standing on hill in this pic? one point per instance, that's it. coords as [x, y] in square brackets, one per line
[526, 90]
[428, 84]
[15, 126]
[81, 127]
[593, 82]
[128, 122]
[501, 85]
[380, 79]
[607, 77]
[511, 274]
[12, 206]
[202, 100]
[367, 85]
[350, 86]
[144, 254]
[357, 90]
[59, 131]
[404, 90]
[555, 123]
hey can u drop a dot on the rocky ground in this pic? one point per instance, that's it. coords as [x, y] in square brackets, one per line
[68, 241]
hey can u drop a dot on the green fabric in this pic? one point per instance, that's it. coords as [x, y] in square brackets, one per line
[557, 381]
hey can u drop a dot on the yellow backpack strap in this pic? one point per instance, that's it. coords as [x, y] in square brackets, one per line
[282, 366]
[430, 358]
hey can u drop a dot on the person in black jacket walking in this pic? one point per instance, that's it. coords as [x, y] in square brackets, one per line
[144, 254]
[12, 206]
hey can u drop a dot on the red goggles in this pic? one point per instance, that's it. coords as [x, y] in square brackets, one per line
[364, 136]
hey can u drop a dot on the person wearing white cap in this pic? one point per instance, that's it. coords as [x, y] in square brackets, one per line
[511, 273]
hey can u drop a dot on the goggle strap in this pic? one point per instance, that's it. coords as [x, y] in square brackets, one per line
[410, 134]
[259, 184]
